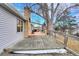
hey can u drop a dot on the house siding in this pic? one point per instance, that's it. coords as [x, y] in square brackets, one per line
[8, 29]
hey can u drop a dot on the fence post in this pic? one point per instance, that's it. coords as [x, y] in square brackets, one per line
[65, 39]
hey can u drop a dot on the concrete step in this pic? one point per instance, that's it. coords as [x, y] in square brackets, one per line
[36, 51]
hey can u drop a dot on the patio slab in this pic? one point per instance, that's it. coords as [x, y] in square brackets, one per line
[38, 43]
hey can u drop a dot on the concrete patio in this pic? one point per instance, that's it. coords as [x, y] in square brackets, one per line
[38, 42]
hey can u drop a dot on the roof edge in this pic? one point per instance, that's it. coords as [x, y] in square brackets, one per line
[12, 10]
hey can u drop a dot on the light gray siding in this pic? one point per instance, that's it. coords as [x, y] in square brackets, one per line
[8, 29]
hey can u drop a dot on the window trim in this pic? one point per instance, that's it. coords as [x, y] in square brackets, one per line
[20, 23]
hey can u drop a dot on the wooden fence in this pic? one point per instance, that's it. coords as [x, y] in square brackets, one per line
[70, 42]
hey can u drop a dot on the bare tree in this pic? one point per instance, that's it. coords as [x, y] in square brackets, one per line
[57, 10]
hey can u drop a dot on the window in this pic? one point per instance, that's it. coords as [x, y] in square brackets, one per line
[19, 25]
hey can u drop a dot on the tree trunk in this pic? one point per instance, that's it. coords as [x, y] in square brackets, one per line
[45, 12]
[46, 15]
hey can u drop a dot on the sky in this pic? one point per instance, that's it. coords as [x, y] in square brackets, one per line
[36, 18]
[75, 12]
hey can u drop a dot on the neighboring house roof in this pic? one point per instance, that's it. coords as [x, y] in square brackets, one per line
[12, 10]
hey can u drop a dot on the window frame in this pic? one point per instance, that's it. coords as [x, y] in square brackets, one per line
[20, 25]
